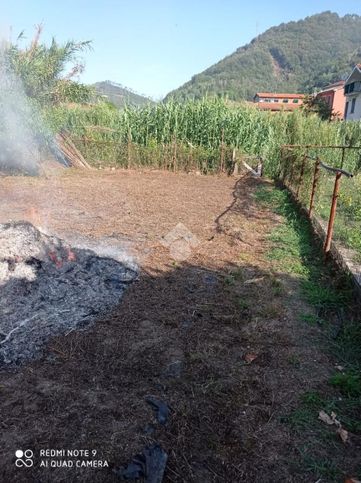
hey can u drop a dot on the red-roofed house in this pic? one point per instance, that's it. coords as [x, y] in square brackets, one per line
[268, 101]
[353, 95]
[334, 96]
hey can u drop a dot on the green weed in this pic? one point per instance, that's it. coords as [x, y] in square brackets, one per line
[349, 383]
[312, 319]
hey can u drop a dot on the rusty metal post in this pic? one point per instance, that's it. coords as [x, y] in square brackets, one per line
[331, 220]
[301, 175]
[314, 186]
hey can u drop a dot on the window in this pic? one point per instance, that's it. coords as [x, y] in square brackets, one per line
[349, 88]
[275, 100]
[353, 102]
[346, 109]
[295, 101]
[285, 100]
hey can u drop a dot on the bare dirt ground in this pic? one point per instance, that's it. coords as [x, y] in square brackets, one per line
[207, 335]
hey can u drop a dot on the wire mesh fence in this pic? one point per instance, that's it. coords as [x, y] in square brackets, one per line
[326, 180]
[173, 156]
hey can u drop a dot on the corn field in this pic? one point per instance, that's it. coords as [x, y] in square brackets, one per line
[204, 135]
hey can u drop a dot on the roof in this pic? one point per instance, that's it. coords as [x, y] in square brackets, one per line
[280, 96]
[335, 86]
[271, 106]
[358, 67]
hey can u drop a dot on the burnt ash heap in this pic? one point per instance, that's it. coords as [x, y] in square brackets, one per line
[48, 288]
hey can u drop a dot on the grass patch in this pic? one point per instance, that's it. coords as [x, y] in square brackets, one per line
[312, 319]
[291, 247]
[243, 304]
[322, 468]
[321, 296]
[319, 453]
[349, 383]
[347, 346]
[293, 251]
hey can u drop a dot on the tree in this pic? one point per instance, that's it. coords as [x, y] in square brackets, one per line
[312, 104]
[43, 69]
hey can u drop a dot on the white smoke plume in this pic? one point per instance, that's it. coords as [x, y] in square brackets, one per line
[19, 142]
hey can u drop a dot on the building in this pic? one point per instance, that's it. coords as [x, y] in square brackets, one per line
[334, 96]
[268, 101]
[353, 95]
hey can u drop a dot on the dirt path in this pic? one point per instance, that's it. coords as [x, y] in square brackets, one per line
[215, 335]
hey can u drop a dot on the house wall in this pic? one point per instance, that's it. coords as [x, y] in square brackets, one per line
[285, 100]
[277, 99]
[327, 96]
[335, 98]
[354, 77]
[339, 102]
[357, 113]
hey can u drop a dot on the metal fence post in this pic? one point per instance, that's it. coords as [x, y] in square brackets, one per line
[301, 175]
[331, 221]
[314, 186]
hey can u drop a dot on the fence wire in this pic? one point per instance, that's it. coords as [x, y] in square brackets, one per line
[173, 156]
[298, 175]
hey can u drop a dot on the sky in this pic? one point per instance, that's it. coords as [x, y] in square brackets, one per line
[155, 46]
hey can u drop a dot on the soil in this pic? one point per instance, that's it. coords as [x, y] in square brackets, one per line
[200, 330]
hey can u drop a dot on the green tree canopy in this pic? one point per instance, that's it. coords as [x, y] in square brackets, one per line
[48, 72]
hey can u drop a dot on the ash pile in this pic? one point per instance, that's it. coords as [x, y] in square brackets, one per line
[48, 288]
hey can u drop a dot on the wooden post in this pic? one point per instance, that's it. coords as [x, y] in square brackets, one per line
[129, 148]
[314, 186]
[222, 151]
[331, 221]
[164, 156]
[234, 163]
[175, 155]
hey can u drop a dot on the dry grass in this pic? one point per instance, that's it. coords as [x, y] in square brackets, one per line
[208, 314]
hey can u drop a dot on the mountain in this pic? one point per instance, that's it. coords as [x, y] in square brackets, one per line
[293, 57]
[119, 95]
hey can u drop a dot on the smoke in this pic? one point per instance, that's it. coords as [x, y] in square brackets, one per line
[19, 139]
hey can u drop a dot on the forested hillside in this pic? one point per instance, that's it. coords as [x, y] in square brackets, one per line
[119, 95]
[293, 57]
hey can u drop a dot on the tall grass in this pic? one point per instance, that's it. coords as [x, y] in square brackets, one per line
[202, 132]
